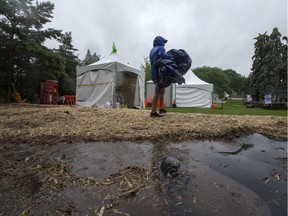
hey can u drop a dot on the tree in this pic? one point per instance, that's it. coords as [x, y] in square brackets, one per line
[67, 80]
[146, 67]
[24, 58]
[216, 76]
[269, 68]
[237, 82]
[89, 58]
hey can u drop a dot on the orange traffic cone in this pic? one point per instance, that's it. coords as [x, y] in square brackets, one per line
[158, 104]
[145, 102]
[149, 102]
[174, 103]
[163, 104]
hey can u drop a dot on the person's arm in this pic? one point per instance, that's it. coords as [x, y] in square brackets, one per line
[163, 55]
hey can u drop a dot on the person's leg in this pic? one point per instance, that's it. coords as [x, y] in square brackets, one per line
[157, 94]
[162, 104]
[161, 98]
[155, 101]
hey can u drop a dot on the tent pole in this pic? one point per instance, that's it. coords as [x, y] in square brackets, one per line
[113, 86]
[171, 95]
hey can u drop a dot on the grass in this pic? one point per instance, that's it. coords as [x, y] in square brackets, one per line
[230, 108]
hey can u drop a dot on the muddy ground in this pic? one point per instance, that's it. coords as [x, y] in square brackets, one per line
[41, 172]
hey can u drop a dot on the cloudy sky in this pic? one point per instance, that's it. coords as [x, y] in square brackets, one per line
[216, 33]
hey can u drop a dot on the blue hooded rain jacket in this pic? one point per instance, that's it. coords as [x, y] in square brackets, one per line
[158, 52]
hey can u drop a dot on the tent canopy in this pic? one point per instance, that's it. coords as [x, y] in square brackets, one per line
[195, 93]
[108, 82]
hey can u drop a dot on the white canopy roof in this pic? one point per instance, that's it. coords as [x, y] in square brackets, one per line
[191, 78]
[106, 63]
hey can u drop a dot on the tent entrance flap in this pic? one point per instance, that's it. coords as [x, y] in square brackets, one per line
[126, 88]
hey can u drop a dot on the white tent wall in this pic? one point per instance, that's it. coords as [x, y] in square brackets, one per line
[137, 92]
[192, 96]
[91, 92]
[107, 80]
[195, 93]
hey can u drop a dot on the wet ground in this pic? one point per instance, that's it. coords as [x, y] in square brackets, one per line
[246, 176]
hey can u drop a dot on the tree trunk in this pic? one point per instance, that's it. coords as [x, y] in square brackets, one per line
[9, 75]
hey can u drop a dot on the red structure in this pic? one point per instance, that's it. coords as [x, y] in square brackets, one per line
[49, 92]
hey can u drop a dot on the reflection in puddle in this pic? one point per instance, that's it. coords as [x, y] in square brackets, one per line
[100, 160]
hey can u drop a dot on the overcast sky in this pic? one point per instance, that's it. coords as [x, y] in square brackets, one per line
[216, 33]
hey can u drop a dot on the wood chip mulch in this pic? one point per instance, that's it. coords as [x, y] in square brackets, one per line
[44, 124]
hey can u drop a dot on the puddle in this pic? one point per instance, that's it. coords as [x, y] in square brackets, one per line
[245, 177]
[100, 160]
[228, 181]
[217, 181]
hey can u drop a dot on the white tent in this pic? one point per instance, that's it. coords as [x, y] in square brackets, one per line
[195, 93]
[108, 82]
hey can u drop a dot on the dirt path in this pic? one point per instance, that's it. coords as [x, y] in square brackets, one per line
[39, 124]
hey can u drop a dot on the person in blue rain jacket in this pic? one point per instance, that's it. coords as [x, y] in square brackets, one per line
[157, 53]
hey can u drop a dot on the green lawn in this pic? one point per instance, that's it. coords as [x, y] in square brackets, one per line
[229, 108]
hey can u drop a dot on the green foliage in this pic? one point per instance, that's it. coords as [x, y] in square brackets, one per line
[67, 80]
[89, 58]
[237, 83]
[24, 60]
[228, 80]
[216, 76]
[269, 69]
[146, 68]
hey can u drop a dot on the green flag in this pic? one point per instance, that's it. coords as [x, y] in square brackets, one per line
[114, 50]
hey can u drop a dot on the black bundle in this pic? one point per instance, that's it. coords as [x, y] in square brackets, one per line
[172, 71]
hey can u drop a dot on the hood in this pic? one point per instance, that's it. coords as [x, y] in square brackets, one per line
[159, 41]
